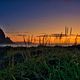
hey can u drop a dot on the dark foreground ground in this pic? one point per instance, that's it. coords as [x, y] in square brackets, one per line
[40, 63]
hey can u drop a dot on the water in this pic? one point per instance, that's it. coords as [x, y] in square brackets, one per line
[18, 45]
[30, 45]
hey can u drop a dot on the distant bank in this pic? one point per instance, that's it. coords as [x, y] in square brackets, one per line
[4, 39]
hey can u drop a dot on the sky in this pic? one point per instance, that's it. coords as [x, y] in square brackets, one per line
[39, 16]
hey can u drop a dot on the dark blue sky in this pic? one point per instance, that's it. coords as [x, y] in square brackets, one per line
[39, 15]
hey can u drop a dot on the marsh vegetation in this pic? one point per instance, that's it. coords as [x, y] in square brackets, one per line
[40, 63]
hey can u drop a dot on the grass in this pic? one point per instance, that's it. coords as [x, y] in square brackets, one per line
[40, 63]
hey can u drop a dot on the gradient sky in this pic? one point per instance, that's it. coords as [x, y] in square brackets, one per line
[39, 16]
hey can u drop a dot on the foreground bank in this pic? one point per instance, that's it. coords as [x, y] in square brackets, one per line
[40, 63]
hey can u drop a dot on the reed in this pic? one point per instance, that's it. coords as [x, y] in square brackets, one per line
[75, 43]
[24, 40]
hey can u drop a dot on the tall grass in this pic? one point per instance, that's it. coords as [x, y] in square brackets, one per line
[42, 63]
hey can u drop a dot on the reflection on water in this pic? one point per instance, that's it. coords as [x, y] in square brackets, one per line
[17, 45]
[33, 45]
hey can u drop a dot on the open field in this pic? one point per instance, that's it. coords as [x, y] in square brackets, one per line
[40, 63]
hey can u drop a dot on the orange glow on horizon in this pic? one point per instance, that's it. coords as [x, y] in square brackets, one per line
[52, 40]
